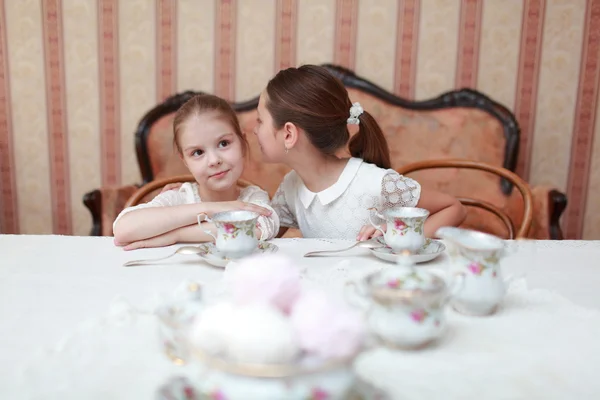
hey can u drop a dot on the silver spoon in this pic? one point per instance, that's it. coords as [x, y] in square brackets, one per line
[366, 245]
[187, 250]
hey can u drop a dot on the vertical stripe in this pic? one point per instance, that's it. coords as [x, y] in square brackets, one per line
[137, 74]
[437, 48]
[25, 56]
[528, 75]
[468, 43]
[195, 39]
[557, 94]
[9, 222]
[499, 50]
[585, 119]
[345, 33]
[108, 34]
[316, 31]
[166, 51]
[57, 122]
[81, 20]
[591, 225]
[407, 38]
[285, 36]
[375, 46]
[252, 76]
[225, 48]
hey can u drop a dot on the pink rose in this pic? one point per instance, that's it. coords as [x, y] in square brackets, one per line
[399, 224]
[325, 327]
[268, 278]
[418, 315]
[229, 228]
[475, 268]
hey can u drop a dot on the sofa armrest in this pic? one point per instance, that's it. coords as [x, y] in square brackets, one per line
[104, 205]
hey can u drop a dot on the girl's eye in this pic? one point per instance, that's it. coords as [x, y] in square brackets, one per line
[197, 153]
[223, 143]
[258, 121]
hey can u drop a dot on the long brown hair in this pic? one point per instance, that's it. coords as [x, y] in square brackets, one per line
[316, 101]
[202, 104]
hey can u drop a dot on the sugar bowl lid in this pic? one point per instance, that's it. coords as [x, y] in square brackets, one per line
[405, 282]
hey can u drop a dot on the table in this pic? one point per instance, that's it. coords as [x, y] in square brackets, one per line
[49, 285]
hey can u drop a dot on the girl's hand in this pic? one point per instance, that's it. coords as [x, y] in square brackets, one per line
[368, 232]
[220, 206]
[171, 186]
[165, 239]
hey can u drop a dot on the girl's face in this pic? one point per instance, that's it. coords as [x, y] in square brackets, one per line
[212, 151]
[271, 141]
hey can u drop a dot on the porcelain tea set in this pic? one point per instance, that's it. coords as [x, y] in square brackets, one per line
[405, 305]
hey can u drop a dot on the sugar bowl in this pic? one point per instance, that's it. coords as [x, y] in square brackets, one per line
[405, 305]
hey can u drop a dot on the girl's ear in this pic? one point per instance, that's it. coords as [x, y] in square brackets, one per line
[291, 134]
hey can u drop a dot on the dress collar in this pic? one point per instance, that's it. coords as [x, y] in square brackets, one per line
[334, 191]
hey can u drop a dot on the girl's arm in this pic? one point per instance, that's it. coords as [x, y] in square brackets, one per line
[400, 191]
[165, 213]
[186, 234]
[444, 209]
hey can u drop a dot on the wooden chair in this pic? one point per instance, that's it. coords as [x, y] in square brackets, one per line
[519, 183]
[154, 186]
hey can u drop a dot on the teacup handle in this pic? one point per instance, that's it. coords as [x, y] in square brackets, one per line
[378, 227]
[202, 217]
[353, 295]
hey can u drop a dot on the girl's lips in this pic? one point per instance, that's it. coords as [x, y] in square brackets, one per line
[219, 174]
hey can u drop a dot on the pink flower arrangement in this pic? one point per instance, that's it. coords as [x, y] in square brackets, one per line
[271, 279]
[326, 328]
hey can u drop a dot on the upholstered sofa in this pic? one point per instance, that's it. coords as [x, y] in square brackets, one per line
[462, 124]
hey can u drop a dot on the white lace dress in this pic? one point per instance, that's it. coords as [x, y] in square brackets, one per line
[340, 211]
[188, 194]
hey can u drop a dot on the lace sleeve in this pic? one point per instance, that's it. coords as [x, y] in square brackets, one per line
[269, 226]
[399, 191]
[286, 217]
[166, 199]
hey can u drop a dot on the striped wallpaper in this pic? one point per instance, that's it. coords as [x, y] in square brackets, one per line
[76, 76]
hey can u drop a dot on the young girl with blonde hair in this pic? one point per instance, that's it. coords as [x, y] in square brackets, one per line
[209, 140]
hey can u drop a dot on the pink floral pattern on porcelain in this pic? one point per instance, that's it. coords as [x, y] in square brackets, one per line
[232, 231]
[319, 394]
[401, 227]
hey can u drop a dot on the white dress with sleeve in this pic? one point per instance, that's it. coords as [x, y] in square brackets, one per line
[340, 211]
[188, 194]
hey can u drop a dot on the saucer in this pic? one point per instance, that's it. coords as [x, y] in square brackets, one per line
[214, 257]
[430, 250]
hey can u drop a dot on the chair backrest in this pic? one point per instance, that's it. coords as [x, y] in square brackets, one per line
[515, 180]
[151, 189]
[457, 124]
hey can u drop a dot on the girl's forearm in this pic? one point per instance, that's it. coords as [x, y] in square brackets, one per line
[449, 216]
[150, 222]
[186, 234]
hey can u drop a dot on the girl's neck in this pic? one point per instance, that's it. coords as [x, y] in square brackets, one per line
[318, 171]
[207, 195]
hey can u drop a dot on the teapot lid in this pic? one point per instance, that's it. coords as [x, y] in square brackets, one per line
[403, 278]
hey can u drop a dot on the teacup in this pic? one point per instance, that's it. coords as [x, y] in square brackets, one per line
[236, 237]
[476, 257]
[404, 228]
[405, 306]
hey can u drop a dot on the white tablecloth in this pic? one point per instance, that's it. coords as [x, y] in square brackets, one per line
[54, 288]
